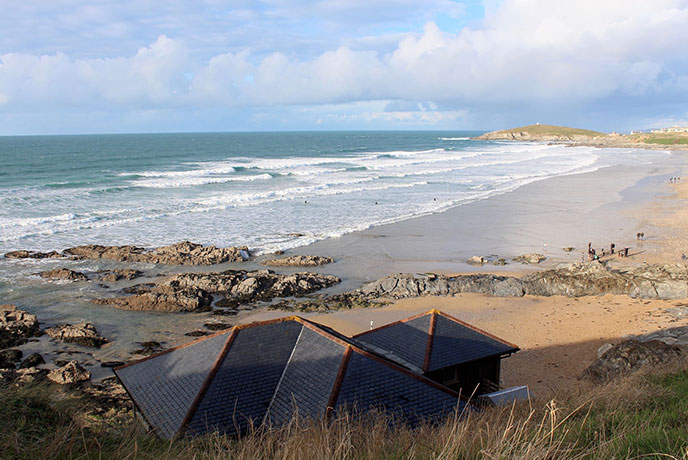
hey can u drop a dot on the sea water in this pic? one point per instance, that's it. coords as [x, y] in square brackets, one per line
[269, 191]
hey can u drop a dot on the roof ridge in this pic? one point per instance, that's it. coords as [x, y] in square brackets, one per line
[477, 329]
[284, 371]
[208, 380]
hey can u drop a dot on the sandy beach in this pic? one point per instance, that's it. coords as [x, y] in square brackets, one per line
[558, 336]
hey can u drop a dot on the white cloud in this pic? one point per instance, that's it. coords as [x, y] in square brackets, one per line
[523, 52]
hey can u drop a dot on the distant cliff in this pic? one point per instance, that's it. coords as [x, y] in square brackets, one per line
[542, 133]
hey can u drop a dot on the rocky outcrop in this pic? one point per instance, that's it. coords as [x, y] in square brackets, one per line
[63, 274]
[16, 326]
[82, 334]
[407, 285]
[572, 280]
[543, 133]
[631, 356]
[184, 253]
[33, 360]
[163, 298]
[530, 258]
[72, 372]
[476, 260]
[190, 292]
[118, 274]
[9, 357]
[299, 261]
[23, 254]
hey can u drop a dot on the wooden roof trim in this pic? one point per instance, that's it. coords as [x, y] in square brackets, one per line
[208, 380]
[170, 350]
[476, 329]
[211, 336]
[133, 400]
[411, 318]
[336, 388]
[431, 337]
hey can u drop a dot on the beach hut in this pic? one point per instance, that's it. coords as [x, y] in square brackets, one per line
[265, 373]
[444, 349]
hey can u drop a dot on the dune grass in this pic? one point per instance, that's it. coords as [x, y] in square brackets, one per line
[643, 416]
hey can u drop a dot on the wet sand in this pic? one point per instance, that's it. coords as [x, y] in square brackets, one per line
[558, 336]
[609, 205]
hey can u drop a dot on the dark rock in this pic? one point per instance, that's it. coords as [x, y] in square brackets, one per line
[82, 334]
[217, 326]
[225, 313]
[70, 373]
[16, 326]
[10, 356]
[148, 348]
[572, 280]
[184, 253]
[33, 360]
[7, 376]
[163, 298]
[631, 356]
[345, 301]
[118, 274]
[63, 274]
[190, 292]
[197, 333]
[299, 261]
[111, 364]
[7, 365]
[23, 254]
[227, 302]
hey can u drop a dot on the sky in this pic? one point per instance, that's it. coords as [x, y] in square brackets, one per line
[112, 66]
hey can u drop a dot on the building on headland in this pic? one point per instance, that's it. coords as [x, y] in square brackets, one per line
[266, 373]
[672, 129]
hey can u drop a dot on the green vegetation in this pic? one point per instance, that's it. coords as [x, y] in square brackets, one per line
[667, 140]
[549, 130]
[637, 417]
[660, 138]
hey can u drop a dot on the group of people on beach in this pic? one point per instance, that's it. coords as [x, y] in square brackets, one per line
[674, 179]
[594, 255]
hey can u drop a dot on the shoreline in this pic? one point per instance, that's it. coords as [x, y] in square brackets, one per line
[603, 206]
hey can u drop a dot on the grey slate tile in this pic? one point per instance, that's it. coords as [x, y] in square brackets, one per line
[369, 384]
[308, 378]
[455, 343]
[245, 382]
[164, 386]
[408, 339]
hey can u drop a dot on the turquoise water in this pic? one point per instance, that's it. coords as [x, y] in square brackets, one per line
[266, 190]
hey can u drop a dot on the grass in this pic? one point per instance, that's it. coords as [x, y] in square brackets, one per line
[643, 416]
[661, 138]
[549, 130]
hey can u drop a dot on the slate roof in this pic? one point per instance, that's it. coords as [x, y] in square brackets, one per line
[433, 340]
[267, 372]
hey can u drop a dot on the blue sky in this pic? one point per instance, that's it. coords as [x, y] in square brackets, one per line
[70, 66]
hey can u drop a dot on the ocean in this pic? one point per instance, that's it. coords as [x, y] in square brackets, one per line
[270, 191]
